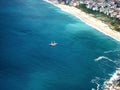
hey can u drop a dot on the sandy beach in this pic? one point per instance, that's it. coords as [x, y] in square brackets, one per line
[88, 19]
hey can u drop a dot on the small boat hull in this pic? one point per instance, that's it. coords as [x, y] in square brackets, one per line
[53, 44]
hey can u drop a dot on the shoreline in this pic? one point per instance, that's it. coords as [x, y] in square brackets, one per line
[88, 19]
[113, 83]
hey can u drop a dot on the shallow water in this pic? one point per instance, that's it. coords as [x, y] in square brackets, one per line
[27, 62]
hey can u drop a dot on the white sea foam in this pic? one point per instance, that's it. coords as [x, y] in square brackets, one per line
[98, 86]
[117, 68]
[104, 57]
[93, 89]
[46, 1]
[110, 51]
[96, 81]
[99, 58]
[51, 2]
[113, 80]
[115, 77]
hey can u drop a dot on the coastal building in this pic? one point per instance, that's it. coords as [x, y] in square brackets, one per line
[108, 7]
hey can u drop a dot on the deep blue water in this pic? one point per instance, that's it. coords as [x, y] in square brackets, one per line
[27, 62]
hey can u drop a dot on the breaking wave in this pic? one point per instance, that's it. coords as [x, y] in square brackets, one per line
[96, 81]
[103, 57]
[111, 51]
[108, 59]
[115, 61]
[108, 51]
[112, 80]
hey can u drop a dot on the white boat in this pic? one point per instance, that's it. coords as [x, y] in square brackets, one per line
[53, 43]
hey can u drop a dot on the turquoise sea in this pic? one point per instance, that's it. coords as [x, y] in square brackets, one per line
[83, 59]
